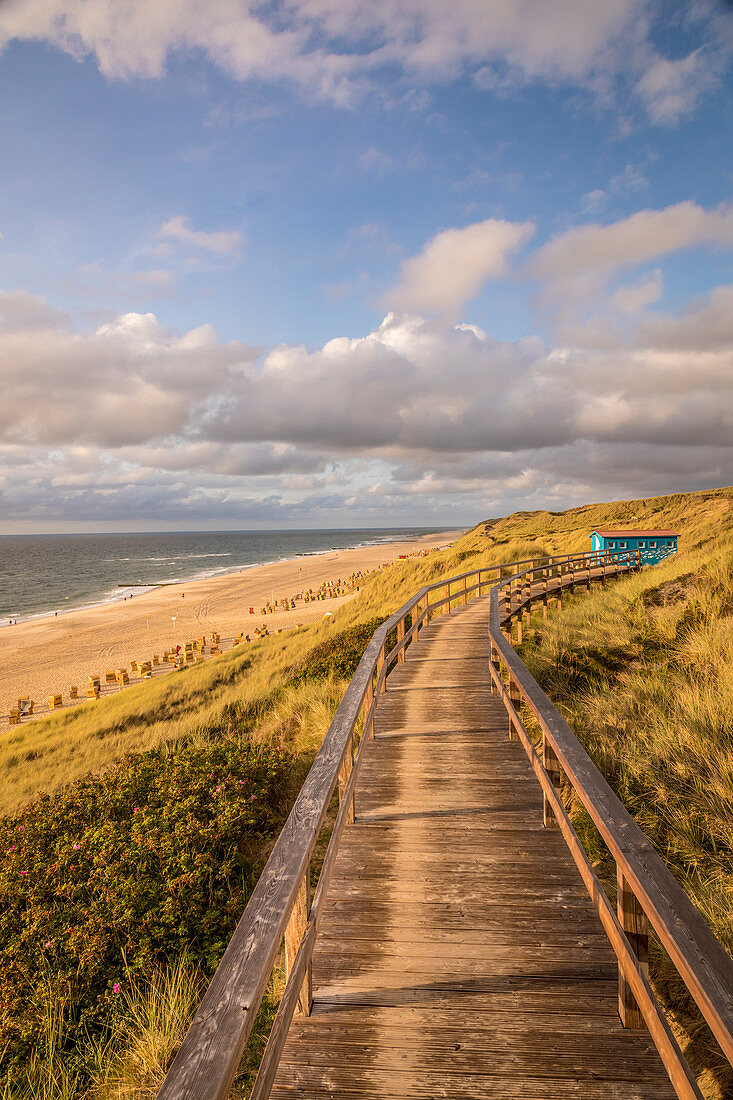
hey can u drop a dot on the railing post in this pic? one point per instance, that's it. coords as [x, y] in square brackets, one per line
[344, 774]
[515, 697]
[447, 596]
[552, 767]
[495, 661]
[465, 596]
[400, 636]
[545, 584]
[293, 935]
[367, 704]
[380, 663]
[634, 923]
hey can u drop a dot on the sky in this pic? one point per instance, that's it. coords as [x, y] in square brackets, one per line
[346, 263]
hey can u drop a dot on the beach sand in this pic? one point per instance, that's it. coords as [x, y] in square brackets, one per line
[47, 655]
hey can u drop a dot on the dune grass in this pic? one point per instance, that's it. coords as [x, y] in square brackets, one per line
[642, 670]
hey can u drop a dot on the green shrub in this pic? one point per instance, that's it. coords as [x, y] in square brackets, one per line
[338, 656]
[123, 872]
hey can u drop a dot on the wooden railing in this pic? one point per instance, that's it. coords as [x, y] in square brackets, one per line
[281, 905]
[648, 895]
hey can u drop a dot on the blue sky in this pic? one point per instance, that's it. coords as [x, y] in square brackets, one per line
[329, 263]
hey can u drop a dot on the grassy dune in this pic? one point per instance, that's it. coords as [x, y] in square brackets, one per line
[642, 672]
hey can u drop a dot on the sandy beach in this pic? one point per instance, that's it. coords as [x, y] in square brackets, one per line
[47, 655]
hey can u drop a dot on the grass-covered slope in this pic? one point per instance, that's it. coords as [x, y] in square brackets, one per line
[643, 671]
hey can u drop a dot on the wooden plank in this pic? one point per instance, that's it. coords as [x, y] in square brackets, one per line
[450, 904]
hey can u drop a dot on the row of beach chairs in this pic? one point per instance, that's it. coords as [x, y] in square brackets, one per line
[190, 653]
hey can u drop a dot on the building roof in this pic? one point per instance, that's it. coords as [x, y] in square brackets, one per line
[635, 534]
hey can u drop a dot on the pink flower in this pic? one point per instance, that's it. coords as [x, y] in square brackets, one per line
[24, 872]
[116, 987]
[20, 828]
[136, 809]
[251, 798]
[47, 944]
[12, 847]
[76, 847]
[218, 788]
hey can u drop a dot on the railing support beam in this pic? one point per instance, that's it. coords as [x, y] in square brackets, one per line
[293, 936]
[632, 919]
[552, 767]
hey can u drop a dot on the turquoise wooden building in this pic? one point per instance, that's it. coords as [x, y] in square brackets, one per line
[653, 545]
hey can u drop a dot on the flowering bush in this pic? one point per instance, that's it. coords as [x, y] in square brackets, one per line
[120, 872]
[339, 655]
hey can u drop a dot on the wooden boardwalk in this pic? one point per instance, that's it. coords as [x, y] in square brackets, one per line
[459, 954]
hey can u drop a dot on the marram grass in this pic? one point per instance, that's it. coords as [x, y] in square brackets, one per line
[642, 670]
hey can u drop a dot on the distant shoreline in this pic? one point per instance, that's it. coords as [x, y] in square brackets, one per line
[119, 592]
[46, 654]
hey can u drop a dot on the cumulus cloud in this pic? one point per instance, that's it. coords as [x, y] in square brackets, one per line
[416, 415]
[453, 266]
[329, 47]
[222, 242]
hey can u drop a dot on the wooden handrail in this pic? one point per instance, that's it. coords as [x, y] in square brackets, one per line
[647, 889]
[212, 1049]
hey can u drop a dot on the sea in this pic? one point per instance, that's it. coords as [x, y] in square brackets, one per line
[49, 574]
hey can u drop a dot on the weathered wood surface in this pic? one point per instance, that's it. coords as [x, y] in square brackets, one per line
[703, 963]
[458, 952]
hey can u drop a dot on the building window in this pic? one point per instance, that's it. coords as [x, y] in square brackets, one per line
[670, 542]
[642, 544]
[652, 544]
[612, 545]
[622, 544]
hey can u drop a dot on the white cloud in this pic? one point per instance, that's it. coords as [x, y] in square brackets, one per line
[576, 265]
[222, 242]
[672, 88]
[332, 47]
[133, 420]
[635, 296]
[453, 266]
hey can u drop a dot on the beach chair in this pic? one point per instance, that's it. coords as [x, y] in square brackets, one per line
[122, 677]
[55, 701]
[92, 691]
[14, 717]
[25, 706]
[215, 651]
[95, 682]
[109, 676]
[74, 691]
[156, 660]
